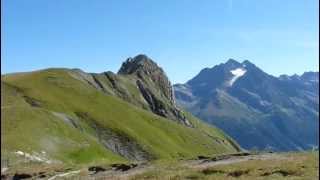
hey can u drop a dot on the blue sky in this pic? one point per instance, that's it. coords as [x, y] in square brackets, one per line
[182, 36]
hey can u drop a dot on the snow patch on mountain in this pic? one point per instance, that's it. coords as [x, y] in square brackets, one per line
[34, 157]
[237, 73]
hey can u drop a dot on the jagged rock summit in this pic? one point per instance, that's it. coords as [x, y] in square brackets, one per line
[143, 66]
[154, 86]
[139, 63]
[141, 82]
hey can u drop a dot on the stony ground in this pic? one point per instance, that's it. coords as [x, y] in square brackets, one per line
[302, 166]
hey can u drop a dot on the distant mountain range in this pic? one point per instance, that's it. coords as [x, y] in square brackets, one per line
[258, 110]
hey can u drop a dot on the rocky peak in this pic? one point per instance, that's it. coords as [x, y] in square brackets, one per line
[140, 63]
[154, 86]
[249, 65]
[230, 65]
[247, 62]
[233, 63]
[145, 68]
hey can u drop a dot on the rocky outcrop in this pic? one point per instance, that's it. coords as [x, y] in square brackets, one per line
[122, 144]
[123, 167]
[144, 67]
[156, 105]
[140, 81]
[154, 86]
[85, 77]
[116, 141]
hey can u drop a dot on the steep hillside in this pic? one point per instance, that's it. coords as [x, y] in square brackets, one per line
[256, 109]
[143, 83]
[72, 117]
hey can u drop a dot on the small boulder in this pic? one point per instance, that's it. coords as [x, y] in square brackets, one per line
[203, 157]
[21, 176]
[123, 167]
[96, 169]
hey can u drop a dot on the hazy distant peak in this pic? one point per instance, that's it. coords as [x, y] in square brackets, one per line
[250, 105]
[232, 62]
[246, 62]
[310, 76]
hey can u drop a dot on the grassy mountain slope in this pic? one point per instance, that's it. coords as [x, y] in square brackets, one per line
[73, 122]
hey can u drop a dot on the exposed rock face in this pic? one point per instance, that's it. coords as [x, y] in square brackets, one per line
[154, 86]
[144, 67]
[155, 105]
[117, 142]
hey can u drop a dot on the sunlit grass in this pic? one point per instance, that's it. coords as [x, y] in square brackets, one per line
[302, 166]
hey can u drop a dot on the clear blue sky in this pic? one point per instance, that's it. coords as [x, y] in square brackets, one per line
[182, 36]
